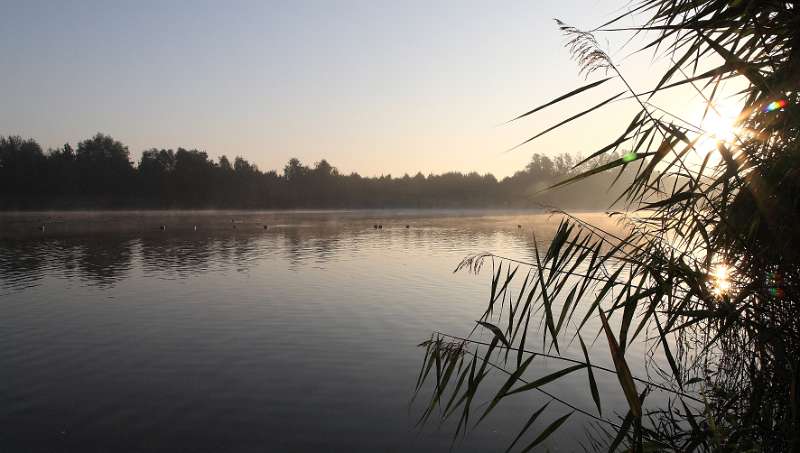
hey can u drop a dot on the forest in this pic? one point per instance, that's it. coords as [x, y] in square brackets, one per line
[99, 174]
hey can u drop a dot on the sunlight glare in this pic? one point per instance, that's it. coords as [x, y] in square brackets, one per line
[719, 123]
[720, 281]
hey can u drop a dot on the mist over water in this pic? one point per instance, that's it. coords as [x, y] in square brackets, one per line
[244, 331]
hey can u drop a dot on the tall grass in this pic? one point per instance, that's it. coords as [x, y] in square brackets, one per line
[705, 270]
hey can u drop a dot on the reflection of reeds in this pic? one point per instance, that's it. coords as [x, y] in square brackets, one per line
[726, 358]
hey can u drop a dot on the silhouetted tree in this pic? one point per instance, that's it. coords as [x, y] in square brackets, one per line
[22, 168]
[99, 173]
[104, 169]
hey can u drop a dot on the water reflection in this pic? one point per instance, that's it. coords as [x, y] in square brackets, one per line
[22, 263]
[106, 256]
[175, 257]
[104, 260]
[300, 337]
[101, 261]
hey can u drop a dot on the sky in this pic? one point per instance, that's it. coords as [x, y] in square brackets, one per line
[375, 87]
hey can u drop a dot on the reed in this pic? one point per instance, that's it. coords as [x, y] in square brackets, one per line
[706, 268]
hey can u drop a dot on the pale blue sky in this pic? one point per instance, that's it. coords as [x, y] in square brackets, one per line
[373, 86]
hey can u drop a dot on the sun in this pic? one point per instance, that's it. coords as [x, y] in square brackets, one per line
[720, 280]
[717, 124]
[720, 124]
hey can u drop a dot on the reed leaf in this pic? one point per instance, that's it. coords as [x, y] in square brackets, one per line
[547, 432]
[592, 383]
[528, 424]
[623, 372]
[546, 379]
[562, 97]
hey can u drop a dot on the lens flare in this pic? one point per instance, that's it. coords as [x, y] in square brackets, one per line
[775, 105]
[775, 281]
[776, 292]
[630, 157]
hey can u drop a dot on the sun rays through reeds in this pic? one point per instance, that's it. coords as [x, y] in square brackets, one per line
[702, 272]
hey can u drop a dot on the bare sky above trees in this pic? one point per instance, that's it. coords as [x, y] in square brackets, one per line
[377, 87]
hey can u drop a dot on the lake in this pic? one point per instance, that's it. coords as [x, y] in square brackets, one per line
[247, 331]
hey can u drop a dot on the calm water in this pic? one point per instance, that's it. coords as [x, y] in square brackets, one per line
[118, 336]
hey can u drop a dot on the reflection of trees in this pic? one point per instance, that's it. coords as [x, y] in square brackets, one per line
[245, 249]
[105, 260]
[318, 242]
[102, 260]
[106, 251]
[184, 256]
[179, 256]
[21, 263]
[293, 245]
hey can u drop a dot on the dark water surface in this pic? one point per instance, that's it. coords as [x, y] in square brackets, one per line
[116, 335]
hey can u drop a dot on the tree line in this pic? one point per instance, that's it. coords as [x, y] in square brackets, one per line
[99, 173]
